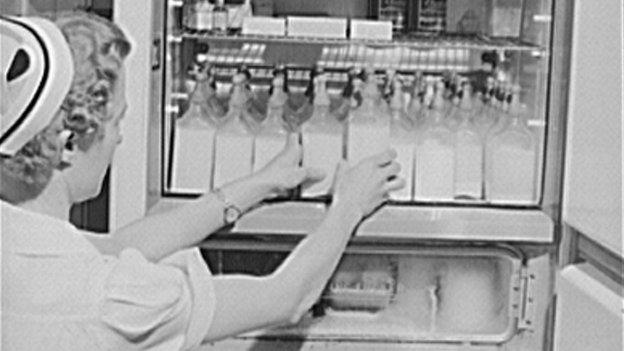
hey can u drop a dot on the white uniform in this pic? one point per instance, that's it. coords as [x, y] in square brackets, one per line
[60, 293]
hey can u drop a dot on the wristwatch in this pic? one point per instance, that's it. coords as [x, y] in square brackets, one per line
[231, 212]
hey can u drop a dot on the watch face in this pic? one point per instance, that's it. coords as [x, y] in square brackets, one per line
[231, 215]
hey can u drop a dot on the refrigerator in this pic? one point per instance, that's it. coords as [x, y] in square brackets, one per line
[455, 273]
[589, 285]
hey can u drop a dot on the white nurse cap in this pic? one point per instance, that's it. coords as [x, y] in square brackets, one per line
[36, 72]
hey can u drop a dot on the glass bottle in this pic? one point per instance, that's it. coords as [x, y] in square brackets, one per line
[414, 108]
[342, 110]
[482, 119]
[468, 151]
[193, 144]
[368, 129]
[511, 159]
[435, 155]
[234, 140]
[271, 138]
[322, 137]
[254, 111]
[499, 108]
[427, 101]
[455, 93]
[402, 140]
[215, 108]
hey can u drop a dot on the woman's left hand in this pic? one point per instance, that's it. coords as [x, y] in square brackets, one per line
[285, 172]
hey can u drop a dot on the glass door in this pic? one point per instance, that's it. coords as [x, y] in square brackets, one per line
[493, 154]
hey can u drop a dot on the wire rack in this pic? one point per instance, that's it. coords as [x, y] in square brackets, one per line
[413, 41]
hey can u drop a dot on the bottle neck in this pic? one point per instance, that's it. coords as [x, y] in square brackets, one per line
[370, 101]
[274, 116]
[238, 96]
[399, 120]
[320, 114]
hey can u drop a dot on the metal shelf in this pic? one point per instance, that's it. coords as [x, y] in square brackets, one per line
[412, 41]
[398, 222]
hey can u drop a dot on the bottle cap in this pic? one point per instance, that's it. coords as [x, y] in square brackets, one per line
[514, 105]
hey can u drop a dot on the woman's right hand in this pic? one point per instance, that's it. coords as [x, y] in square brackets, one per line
[366, 185]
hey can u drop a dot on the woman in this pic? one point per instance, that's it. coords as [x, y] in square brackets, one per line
[144, 286]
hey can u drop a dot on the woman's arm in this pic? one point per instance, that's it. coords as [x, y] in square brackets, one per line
[247, 303]
[159, 235]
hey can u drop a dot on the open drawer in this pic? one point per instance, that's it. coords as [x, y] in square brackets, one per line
[417, 294]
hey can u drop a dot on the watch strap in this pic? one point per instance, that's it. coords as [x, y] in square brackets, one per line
[228, 205]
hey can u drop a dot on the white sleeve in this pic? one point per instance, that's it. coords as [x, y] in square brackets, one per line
[167, 305]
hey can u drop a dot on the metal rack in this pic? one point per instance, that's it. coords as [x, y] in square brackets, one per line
[412, 41]
[407, 54]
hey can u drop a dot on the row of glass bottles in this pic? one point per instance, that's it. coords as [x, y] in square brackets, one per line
[471, 146]
[450, 145]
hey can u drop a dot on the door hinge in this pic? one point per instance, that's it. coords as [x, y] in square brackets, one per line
[526, 312]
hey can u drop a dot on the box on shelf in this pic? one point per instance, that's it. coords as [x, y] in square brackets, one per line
[467, 16]
[317, 27]
[263, 7]
[260, 25]
[506, 18]
[366, 29]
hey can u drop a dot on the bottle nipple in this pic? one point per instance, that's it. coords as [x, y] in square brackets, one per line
[397, 97]
[438, 99]
[320, 87]
[466, 99]
[514, 104]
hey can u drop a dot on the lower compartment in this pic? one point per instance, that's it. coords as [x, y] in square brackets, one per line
[283, 345]
[411, 297]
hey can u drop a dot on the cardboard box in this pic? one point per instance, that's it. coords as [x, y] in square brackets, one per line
[259, 25]
[468, 16]
[317, 27]
[378, 30]
[506, 18]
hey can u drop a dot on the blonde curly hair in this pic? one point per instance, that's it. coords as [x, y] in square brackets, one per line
[98, 49]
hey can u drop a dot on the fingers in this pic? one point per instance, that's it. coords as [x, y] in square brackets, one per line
[390, 170]
[385, 157]
[393, 185]
[311, 176]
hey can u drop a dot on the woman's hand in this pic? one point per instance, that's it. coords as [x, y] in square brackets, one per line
[284, 171]
[365, 186]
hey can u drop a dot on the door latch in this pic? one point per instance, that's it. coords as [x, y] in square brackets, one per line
[527, 299]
